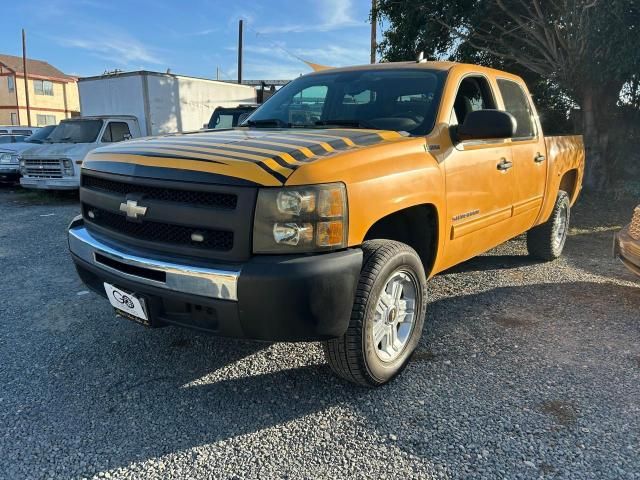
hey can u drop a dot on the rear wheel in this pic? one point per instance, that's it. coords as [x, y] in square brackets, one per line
[387, 316]
[547, 241]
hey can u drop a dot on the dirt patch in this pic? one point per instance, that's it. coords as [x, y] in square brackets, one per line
[562, 412]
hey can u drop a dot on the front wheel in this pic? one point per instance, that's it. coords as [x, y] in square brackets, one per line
[546, 241]
[387, 316]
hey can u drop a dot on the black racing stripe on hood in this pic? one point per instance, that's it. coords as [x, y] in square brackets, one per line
[158, 154]
[232, 148]
[272, 172]
[163, 173]
[308, 141]
[236, 146]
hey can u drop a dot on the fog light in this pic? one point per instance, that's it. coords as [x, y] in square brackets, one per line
[91, 214]
[293, 233]
[197, 237]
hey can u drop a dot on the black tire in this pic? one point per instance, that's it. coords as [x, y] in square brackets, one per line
[546, 241]
[352, 356]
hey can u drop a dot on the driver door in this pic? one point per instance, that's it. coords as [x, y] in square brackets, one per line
[479, 181]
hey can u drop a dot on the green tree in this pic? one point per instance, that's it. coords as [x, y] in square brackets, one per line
[571, 52]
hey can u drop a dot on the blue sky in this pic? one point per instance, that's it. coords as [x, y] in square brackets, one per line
[191, 37]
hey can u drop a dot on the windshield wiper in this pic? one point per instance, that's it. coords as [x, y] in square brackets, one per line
[345, 123]
[267, 122]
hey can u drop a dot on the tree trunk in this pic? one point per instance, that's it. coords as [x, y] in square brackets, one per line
[596, 137]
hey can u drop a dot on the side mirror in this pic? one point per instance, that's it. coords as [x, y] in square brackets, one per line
[487, 124]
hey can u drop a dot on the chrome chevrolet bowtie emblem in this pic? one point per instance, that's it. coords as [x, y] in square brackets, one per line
[132, 209]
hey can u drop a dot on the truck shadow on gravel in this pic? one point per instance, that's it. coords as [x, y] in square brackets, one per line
[491, 369]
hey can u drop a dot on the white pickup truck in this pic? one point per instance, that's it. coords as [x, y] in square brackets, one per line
[55, 165]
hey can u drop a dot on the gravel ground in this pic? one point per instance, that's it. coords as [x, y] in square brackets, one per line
[525, 370]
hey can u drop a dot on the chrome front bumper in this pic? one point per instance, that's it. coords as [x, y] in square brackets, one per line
[9, 168]
[189, 279]
[50, 183]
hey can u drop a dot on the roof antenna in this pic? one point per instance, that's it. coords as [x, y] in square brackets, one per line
[421, 58]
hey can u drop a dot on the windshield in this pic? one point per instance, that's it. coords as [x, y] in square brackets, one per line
[399, 99]
[41, 134]
[76, 131]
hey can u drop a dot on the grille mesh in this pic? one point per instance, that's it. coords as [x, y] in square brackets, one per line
[43, 167]
[634, 229]
[213, 199]
[160, 232]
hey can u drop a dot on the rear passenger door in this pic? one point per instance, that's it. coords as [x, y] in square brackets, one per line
[528, 151]
[479, 193]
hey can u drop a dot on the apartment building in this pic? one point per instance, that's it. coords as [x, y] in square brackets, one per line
[53, 96]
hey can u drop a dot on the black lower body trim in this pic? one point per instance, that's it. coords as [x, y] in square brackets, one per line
[280, 298]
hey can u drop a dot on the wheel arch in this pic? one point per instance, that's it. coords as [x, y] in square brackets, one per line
[416, 226]
[569, 184]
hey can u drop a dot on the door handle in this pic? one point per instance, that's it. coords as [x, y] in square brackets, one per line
[504, 164]
[539, 158]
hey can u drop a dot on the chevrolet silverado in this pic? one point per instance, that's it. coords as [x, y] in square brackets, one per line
[324, 214]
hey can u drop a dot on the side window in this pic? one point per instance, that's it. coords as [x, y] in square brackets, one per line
[360, 98]
[473, 94]
[116, 132]
[517, 104]
[43, 87]
[43, 120]
[307, 105]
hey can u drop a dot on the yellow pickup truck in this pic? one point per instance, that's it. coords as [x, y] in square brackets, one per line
[324, 214]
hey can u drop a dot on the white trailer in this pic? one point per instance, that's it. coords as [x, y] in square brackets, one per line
[162, 102]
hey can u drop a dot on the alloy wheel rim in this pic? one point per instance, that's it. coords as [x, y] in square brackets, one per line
[562, 228]
[395, 316]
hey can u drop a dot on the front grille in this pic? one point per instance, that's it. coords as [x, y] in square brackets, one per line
[634, 228]
[43, 168]
[219, 240]
[212, 199]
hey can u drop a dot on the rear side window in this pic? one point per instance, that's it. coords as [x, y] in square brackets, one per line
[474, 93]
[517, 104]
[116, 132]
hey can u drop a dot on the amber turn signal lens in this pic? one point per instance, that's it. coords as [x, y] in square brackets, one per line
[330, 203]
[330, 233]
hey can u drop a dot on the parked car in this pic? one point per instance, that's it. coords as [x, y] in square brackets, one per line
[326, 226]
[229, 117]
[627, 243]
[55, 165]
[17, 130]
[9, 154]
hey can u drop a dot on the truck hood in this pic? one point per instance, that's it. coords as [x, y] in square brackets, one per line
[16, 147]
[73, 151]
[241, 156]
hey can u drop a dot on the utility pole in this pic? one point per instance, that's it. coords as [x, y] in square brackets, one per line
[374, 26]
[217, 73]
[26, 81]
[240, 26]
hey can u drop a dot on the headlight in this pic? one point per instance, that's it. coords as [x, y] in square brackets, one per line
[301, 219]
[5, 158]
[68, 167]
